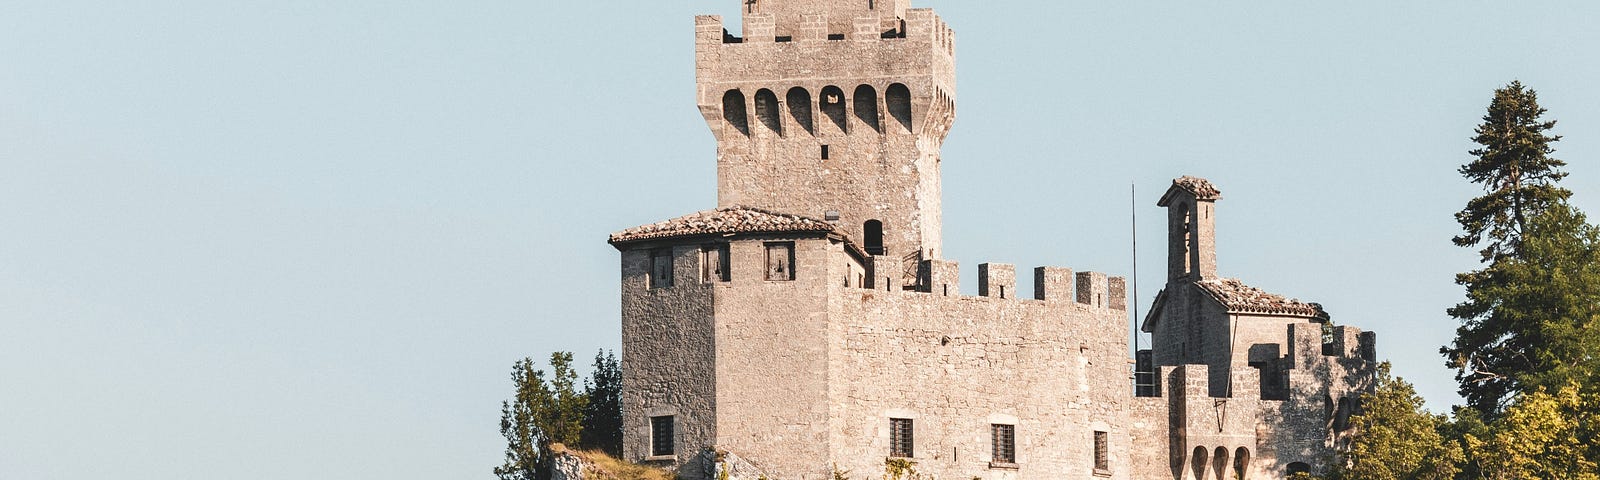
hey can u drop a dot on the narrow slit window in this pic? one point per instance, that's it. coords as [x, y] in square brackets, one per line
[661, 268]
[900, 438]
[661, 432]
[1102, 454]
[824, 152]
[714, 263]
[780, 261]
[1004, 443]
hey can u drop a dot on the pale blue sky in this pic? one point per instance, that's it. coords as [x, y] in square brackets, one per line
[306, 239]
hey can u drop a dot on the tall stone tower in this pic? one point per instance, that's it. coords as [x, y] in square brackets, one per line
[833, 109]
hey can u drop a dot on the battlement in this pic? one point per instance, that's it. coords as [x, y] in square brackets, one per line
[920, 25]
[998, 281]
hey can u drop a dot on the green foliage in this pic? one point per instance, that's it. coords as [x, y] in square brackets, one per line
[899, 468]
[1532, 321]
[602, 415]
[1515, 169]
[840, 474]
[541, 414]
[1530, 317]
[1396, 439]
[1543, 436]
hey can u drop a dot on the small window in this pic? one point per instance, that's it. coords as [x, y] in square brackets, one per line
[1005, 443]
[714, 263]
[900, 439]
[661, 268]
[661, 430]
[824, 152]
[1102, 454]
[780, 261]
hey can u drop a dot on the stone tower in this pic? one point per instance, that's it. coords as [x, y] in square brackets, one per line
[833, 109]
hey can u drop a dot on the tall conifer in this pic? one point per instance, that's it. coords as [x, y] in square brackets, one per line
[1529, 310]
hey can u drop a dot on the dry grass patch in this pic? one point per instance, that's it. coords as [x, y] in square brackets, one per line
[606, 467]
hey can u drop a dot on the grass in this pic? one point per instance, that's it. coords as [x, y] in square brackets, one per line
[606, 467]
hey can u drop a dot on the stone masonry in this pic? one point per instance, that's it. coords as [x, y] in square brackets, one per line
[807, 326]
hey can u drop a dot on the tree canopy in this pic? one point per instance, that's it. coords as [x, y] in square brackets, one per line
[1529, 318]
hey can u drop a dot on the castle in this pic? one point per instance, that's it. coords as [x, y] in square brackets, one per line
[808, 325]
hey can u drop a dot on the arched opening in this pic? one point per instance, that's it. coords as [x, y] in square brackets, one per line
[1341, 417]
[1327, 410]
[1188, 238]
[767, 111]
[734, 112]
[899, 99]
[1197, 462]
[1298, 467]
[866, 105]
[1241, 463]
[872, 238]
[800, 108]
[1219, 463]
[833, 107]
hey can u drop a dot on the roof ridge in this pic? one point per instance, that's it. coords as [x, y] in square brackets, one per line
[724, 220]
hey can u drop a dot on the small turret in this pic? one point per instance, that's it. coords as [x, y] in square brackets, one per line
[1191, 229]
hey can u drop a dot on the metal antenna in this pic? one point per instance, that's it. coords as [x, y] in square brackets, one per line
[1133, 209]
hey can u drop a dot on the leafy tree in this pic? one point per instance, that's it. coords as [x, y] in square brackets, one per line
[1530, 315]
[542, 413]
[602, 416]
[1544, 436]
[1396, 439]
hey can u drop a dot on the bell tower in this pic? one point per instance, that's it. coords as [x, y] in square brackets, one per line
[833, 109]
[1191, 229]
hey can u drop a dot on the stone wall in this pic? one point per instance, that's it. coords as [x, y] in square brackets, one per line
[668, 352]
[1055, 368]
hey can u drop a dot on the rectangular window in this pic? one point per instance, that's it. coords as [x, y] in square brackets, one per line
[661, 268]
[1102, 454]
[900, 439]
[1005, 443]
[824, 152]
[714, 263]
[661, 430]
[780, 261]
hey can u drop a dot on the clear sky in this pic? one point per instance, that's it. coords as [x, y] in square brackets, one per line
[299, 239]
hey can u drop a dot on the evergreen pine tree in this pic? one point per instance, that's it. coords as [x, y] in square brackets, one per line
[541, 414]
[1530, 314]
[602, 417]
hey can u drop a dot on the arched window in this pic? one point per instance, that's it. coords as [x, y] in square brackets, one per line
[767, 111]
[872, 237]
[800, 108]
[866, 105]
[1298, 467]
[1241, 463]
[733, 111]
[1219, 463]
[1341, 417]
[1188, 238]
[899, 99]
[833, 107]
[1197, 462]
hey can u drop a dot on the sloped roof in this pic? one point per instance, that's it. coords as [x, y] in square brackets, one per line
[726, 220]
[1201, 188]
[1241, 298]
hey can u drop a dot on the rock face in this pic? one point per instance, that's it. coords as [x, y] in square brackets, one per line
[568, 466]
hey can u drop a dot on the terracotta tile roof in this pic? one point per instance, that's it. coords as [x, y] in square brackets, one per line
[727, 220]
[1241, 298]
[1200, 187]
